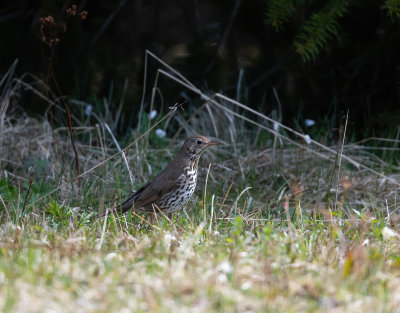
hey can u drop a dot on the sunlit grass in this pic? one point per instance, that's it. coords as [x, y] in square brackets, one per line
[241, 265]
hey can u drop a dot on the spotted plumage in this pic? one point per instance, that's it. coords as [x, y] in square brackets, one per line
[172, 188]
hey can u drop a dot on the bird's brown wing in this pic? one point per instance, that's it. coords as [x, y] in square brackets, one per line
[142, 199]
[155, 189]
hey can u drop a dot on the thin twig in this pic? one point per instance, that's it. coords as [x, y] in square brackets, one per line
[50, 73]
[122, 154]
[340, 159]
[212, 213]
[5, 207]
[26, 197]
[103, 231]
[205, 194]
[147, 222]
[226, 196]
[234, 207]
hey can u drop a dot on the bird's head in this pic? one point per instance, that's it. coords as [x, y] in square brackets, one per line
[195, 145]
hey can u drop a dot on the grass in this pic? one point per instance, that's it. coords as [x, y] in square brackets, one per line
[50, 264]
[273, 226]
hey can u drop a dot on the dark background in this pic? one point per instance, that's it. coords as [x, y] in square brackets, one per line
[210, 42]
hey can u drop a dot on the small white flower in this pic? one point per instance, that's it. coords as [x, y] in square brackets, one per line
[3, 278]
[307, 139]
[88, 110]
[110, 256]
[246, 285]
[365, 242]
[388, 233]
[243, 254]
[221, 278]
[225, 267]
[152, 114]
[168, 238]
[160, 133]
[356, 211]
[309, 122]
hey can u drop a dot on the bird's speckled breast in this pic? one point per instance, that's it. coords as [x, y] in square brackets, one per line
[178, 197]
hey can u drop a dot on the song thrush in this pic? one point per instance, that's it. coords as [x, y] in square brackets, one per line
[172, 188]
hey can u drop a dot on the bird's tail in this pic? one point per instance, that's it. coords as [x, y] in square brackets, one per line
[119, 208]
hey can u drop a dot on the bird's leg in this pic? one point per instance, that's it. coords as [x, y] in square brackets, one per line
[153, 217]
[170, 217]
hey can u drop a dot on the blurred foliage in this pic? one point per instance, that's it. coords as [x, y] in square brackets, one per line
[316, 31]
[323, 58]
[319, 28]
[393, 8]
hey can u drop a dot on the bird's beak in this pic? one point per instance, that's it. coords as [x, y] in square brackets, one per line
[213, 142]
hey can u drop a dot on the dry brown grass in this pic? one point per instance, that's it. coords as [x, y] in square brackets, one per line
[266, 236]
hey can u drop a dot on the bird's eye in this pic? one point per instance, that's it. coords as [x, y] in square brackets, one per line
[199, 142]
